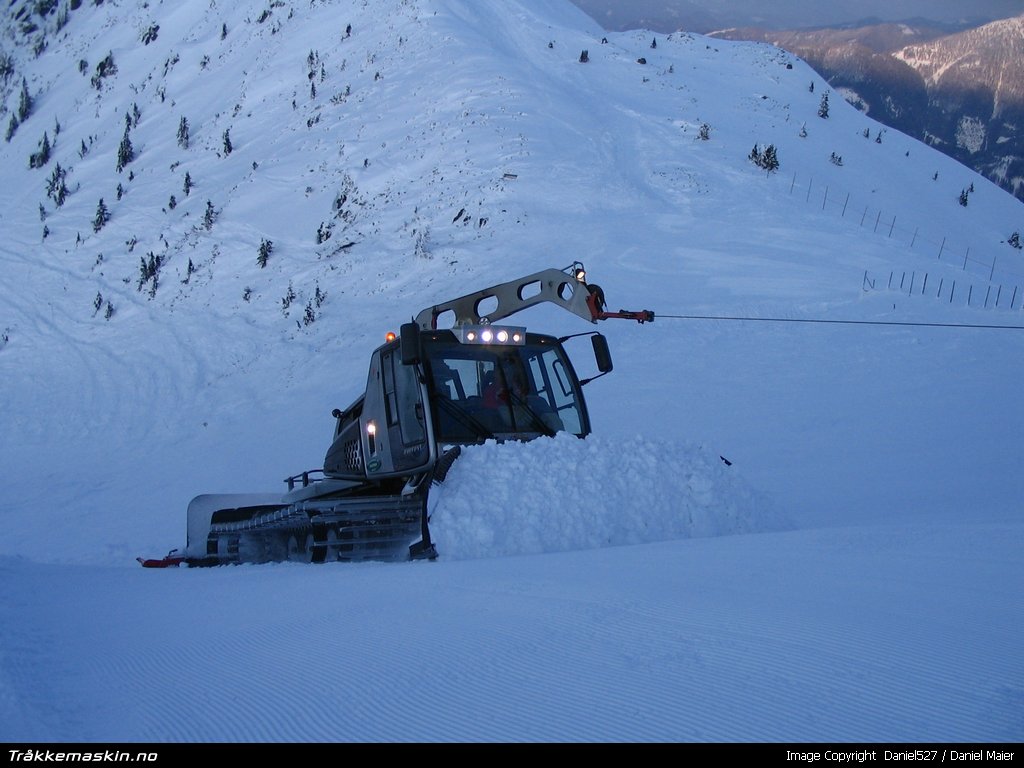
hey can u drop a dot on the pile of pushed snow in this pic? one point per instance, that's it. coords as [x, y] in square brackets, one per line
[562, 494]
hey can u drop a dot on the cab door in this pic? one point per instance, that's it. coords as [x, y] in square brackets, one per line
[403, 413]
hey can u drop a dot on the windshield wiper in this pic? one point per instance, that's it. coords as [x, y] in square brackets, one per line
[464, 418]
[535, 417]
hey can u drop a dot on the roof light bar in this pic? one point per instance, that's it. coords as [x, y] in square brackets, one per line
[502, 335]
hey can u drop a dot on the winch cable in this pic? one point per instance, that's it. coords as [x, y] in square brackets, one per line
[841, 322]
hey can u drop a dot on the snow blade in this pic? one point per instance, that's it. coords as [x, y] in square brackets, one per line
[169, 561]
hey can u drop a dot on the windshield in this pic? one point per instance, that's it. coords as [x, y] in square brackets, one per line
[484, 392]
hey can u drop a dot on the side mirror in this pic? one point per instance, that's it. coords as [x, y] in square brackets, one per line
[409, 343]
[602, 354]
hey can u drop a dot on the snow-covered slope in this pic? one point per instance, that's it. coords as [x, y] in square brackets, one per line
[393, 157]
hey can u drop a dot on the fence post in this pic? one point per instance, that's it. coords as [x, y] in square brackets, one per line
[998, 294]
[791, 186]
[864, 216]
[924, 284]
[914, 238]
[943, 245]
[809, 183]
[970, 292]
[987, 294]
[877, 219]
[892, 226]
[993, 272]
[844, 205]
[968, 253]
[910, 290]
[952, 290]
[939, 292]
[824, 199]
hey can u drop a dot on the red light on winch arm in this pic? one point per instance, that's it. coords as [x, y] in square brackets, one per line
[390, 336]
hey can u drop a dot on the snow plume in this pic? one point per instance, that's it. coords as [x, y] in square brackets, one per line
[562, 493]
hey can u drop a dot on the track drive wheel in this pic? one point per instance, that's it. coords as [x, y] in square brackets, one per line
[300, 547]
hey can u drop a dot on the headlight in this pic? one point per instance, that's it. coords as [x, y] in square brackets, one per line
[506, 335]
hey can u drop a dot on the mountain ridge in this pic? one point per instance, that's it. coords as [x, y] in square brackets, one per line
[961, 92]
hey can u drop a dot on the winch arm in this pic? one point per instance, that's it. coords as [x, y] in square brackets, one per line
[565, 287]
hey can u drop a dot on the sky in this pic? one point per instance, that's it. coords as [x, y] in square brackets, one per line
[798, 518]
[706, 15]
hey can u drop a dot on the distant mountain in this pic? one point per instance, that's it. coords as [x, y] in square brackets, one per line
[961, 92]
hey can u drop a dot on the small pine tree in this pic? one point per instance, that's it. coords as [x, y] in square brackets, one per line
[823, 107]
[287, 299]
[223, 31]
[811, 88]
[963, 197]
[183, 133]
[755, 155]
[1014, 240]
[188, 183]
[101, 218]
[42, 157]
[24, 102]
[57, 187]
[125, 152]
[227, 142]
[266, 248]
[210, 216]
[584, 56]
[109, 313]
[149, 272]
[172, 203]
[770, 160]
[704, 133]
[12, 126]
